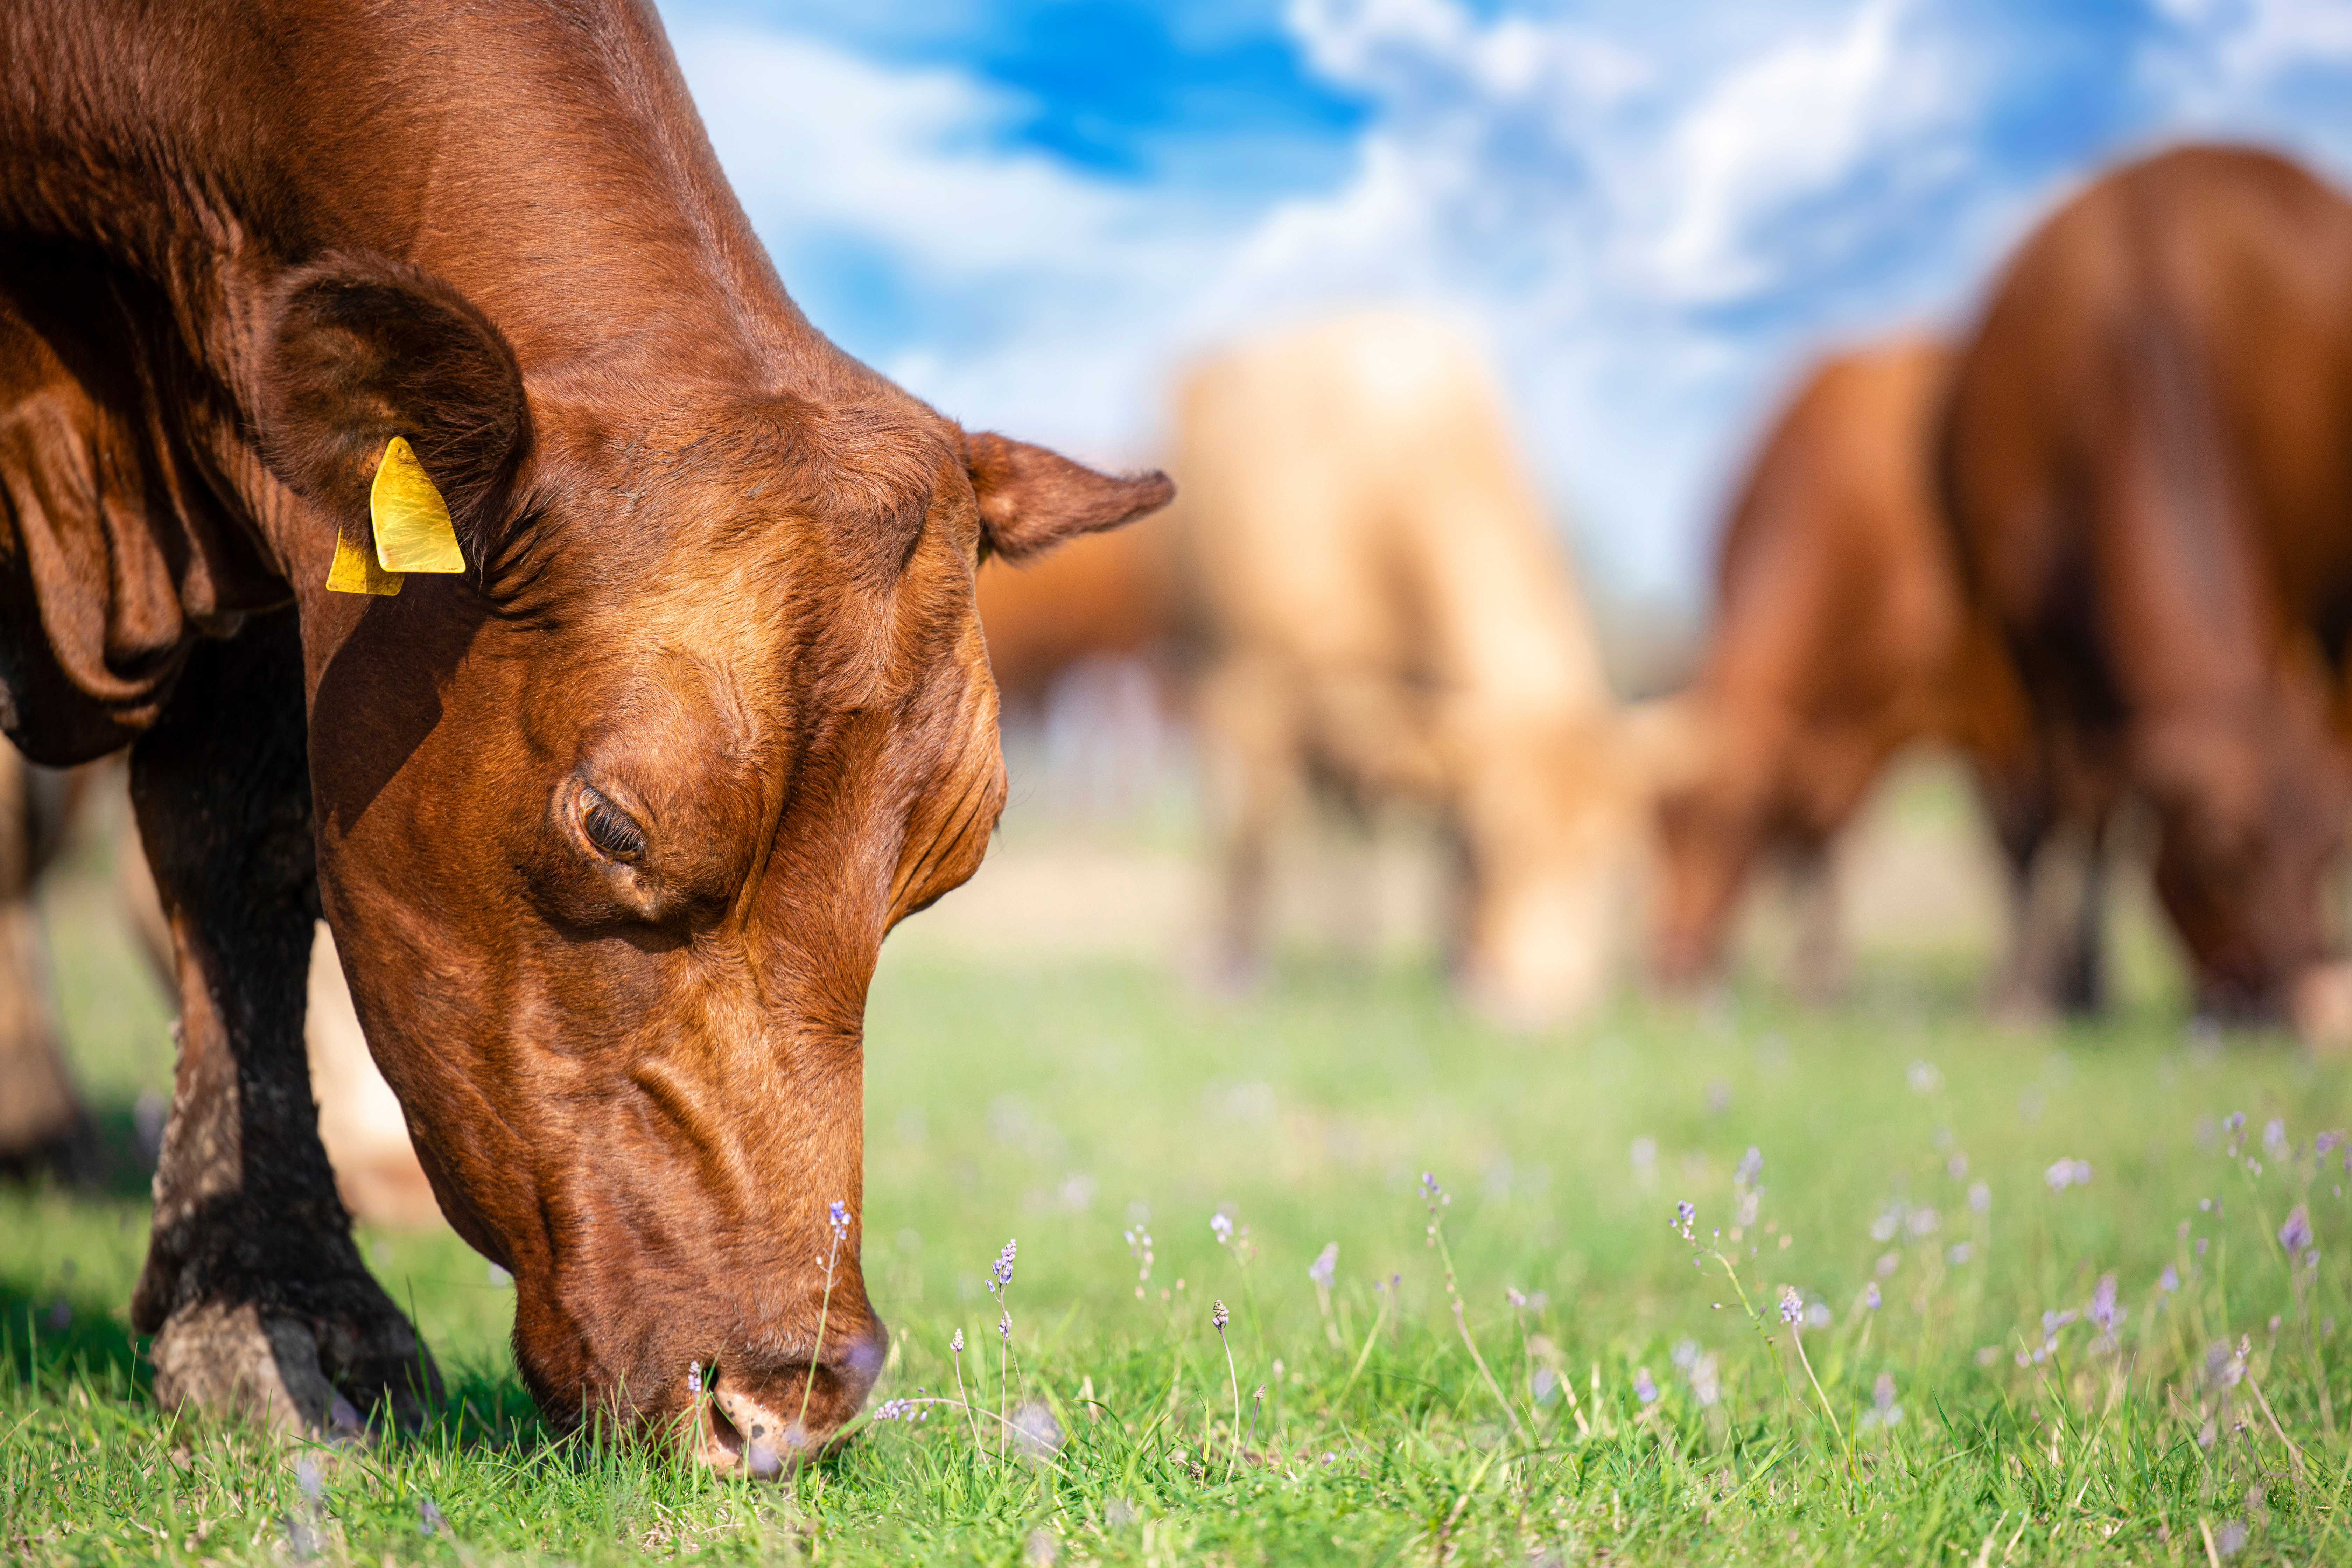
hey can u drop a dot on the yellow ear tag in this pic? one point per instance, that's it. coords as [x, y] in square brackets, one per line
[413, 531]
[355, 571]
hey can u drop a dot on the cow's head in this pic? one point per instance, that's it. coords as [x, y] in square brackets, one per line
[1716, 810]
[612, 825]
[2250, 808]
[1545, 812]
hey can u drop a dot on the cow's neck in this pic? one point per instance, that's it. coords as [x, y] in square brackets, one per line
[547, 163]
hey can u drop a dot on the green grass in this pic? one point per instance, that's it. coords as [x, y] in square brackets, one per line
[1065, 1102]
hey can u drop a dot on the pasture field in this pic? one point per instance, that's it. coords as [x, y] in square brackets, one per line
[2043, 1310]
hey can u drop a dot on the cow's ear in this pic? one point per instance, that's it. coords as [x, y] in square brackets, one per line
[1032, 499]
[363, 349]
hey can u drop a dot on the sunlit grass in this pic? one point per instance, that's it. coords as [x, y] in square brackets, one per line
[1628, 1410]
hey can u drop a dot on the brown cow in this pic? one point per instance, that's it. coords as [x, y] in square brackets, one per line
[1842, 636]
[2149, 460]
[610, 824]
[1110, 595]
[1385, 610]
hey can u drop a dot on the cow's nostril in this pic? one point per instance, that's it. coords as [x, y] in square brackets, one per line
[749, 1435]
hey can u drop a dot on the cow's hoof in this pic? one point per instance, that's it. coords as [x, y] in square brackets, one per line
[275, 1369]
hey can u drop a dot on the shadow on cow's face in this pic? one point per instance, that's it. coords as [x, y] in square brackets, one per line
[611, 831]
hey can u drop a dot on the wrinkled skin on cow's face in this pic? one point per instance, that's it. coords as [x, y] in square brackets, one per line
[629, 958]
[610, 827]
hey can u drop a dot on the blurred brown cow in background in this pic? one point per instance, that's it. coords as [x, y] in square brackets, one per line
[1108, 594]
[1384, 611]
[1840, 636]
[2149, 457]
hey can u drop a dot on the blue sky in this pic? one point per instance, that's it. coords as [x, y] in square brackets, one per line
[1650, 213]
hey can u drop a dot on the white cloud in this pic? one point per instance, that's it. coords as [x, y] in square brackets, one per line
[1794, 125]
[818, 137]
[2248, 43]
[1648, 229]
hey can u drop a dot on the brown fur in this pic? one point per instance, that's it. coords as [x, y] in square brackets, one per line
[720, 582]
[2149, 461]
[1840, 636]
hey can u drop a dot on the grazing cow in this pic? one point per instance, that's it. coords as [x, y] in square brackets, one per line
[2150, 463]
[1384, 610]
[407, 448]
[1842, 636]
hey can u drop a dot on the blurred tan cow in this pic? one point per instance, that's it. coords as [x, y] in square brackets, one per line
[1384, 611]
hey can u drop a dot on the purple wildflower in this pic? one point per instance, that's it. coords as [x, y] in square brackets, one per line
[694, 1377]
[2169, 1281]
[1218, 1316]
[1644, 1389]
[1870, 1297]
[2104, 1309]
[2067, 1172]
[2296, 1234]
[1000, 1273]
[1751, 1165]
[1223, 1226]
[1793, 1306]
[1326, 1265]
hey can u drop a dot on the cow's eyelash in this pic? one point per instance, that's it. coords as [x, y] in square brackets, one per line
[610, 828]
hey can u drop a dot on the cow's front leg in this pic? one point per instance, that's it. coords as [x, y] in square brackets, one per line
[253, 1288]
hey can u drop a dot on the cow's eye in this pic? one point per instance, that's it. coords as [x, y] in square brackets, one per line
[611, 830]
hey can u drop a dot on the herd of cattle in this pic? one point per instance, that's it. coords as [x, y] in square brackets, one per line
[2102, 547]
[409, 455]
